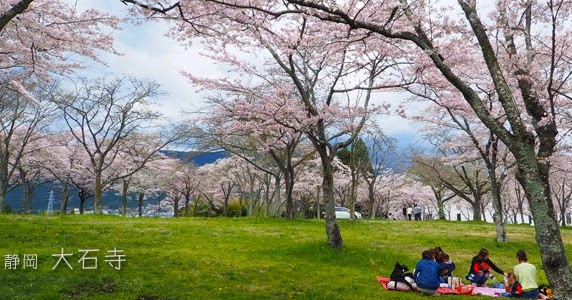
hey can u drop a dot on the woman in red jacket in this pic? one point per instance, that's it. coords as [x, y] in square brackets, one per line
[480, 268]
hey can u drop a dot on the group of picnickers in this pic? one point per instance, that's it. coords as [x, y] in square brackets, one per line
[435, 270]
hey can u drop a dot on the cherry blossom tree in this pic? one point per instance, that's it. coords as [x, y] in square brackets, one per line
[136, 151]
[29, 169]
[379, 194]
[409, 191]
[466, 181]
[152, 179]
[477, 143]
[561, 186]
[23, 123]
[260, 125]
[42, 37]
[381, 148]
[514, 200]
[102, 115]
[68, 166]
[356, 157]
[522, 45]
[333, 81]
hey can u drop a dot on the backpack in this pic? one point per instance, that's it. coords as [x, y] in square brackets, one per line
[399, 273]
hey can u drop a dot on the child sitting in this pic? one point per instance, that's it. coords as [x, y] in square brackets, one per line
[513, 287]
[447, 267]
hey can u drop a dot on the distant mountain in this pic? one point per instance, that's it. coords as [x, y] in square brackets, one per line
[196, 157]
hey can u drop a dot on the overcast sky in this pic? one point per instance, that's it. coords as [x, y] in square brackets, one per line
[148, 54]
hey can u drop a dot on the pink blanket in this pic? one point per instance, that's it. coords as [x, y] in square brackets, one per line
[487, 291]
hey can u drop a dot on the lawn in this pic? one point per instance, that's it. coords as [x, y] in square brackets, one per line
[233, 258]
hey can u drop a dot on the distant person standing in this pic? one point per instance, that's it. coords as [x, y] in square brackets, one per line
[417, 212]
[409, 212]
[404, 212]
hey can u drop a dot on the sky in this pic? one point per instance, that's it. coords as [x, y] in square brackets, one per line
[148, 54]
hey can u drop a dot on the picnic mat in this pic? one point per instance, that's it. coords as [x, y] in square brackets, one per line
[485, 291]
[442, 290]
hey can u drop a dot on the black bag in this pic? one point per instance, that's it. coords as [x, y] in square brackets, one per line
[399, 273]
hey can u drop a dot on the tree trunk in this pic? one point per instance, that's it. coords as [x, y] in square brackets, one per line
[31, 187]
[176, 206]
[371, 198]
[534, 180]
[65, 196]
[125, 187]
[187, 201]
[81, 204]
[24, 208]
[225, 206]
[477, 211]
[332, 227]
[2, 197]
[4, 174]
[289, 178]
[289, 200]
[274, 204]
[497, 206]
[97, 198]
[441, 211]
[140, 198]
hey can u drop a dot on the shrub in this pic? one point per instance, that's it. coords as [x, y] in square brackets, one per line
[237, 208]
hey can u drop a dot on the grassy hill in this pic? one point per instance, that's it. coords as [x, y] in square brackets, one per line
[245, 258]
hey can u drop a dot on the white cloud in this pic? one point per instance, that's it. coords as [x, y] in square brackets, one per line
[149, 54]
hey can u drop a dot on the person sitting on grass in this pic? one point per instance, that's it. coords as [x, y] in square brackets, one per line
[481, 264]
[439, 254]
[513, 288]
[525, 273]
[426, 273]
[447, 267]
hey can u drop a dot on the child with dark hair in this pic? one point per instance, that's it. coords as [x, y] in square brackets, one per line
[427, 273]
[513, 287]
[439, 254]
[447, 267]
[480, 268]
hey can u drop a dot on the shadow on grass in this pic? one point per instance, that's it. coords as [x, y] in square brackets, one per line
[86, 287]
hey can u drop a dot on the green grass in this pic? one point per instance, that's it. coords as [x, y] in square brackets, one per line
[246, 258]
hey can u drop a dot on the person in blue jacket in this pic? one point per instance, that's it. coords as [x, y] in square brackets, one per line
[427, 272]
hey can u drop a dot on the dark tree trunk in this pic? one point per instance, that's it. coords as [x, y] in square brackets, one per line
[140, 198]
[65, 196]
[98, 197]
[533, 176]
[124, 190]
[371, 198]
